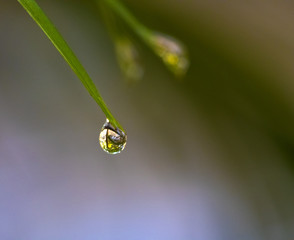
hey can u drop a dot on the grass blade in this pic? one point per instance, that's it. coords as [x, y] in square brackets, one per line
[55, 37]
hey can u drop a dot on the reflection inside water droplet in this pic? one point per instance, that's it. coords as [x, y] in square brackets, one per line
[172, 52]
[112, 140]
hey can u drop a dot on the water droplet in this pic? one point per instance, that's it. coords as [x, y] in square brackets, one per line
[172, 52]
[112, 140]
[128, 59]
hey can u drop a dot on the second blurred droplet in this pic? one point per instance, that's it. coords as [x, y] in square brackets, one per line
[128, 59]
[172, 52]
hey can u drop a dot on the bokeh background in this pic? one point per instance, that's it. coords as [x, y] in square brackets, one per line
[209, 158]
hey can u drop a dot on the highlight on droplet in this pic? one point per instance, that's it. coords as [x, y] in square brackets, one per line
[112, 140]
[128, 59]
[173, 53]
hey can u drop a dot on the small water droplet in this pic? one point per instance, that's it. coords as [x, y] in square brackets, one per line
[112, 140]
[172, 52]
[128, 59]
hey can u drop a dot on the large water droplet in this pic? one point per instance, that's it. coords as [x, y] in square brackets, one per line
[172, 52]
[128, 59]
[112, 140]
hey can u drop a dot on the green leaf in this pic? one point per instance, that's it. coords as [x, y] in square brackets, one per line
[52, 33]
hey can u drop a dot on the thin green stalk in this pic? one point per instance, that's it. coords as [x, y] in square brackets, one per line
[52, 33]
[110, 21]
[124, 13]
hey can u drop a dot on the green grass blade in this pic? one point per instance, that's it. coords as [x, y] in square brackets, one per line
[52, 33]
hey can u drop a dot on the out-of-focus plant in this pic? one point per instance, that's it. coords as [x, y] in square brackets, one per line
[172, 52]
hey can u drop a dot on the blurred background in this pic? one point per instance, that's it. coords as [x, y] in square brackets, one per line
[209, 157]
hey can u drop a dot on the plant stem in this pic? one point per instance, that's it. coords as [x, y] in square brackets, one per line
[124, 13]
[55, 37]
